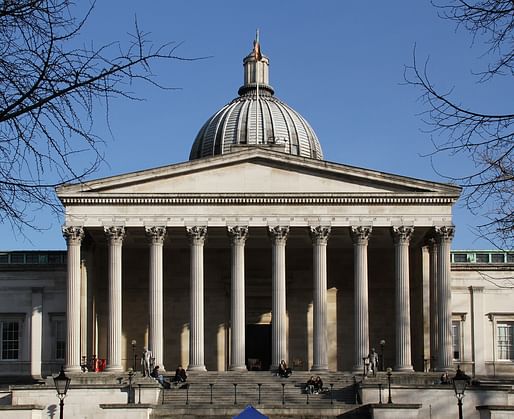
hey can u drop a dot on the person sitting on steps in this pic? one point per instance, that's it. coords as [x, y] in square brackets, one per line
[159, 377]
[284, 370]
[180, 375]
[318, 385]
[309, 387]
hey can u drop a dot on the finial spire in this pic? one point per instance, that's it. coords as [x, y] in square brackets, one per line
[257, 47]
[256, 73]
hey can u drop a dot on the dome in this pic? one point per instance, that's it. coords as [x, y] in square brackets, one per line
[256, 118]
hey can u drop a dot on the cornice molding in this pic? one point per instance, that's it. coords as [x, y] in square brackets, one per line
[261, 199]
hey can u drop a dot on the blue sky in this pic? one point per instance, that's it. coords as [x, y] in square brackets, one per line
[339, 63]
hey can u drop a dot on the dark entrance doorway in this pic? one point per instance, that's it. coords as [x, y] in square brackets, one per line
[258, 347]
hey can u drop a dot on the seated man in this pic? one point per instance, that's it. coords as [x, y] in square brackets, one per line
[318, 385]
[309, 387]
[283, 369]
[180, 375]
[159, 377]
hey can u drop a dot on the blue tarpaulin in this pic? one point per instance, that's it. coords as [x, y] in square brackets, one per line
[250, 412]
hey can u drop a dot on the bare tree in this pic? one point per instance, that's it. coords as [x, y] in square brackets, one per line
[486, 138]
[49, 89]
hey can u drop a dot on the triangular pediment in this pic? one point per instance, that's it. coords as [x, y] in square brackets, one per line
[254, 172]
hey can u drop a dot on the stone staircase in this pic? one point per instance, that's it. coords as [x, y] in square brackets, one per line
[231, 388]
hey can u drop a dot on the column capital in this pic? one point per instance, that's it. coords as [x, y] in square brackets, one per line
[278, 234]
[444, 233]
[237, 234]
[73, 234]
[402, 234]
[197, 234]
[114, 234]
[320, 234]
[156, 234]
[360, 234]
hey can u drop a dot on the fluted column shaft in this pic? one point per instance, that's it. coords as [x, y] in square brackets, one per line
[73, 236]
[238, 235]
[401, 236]
[197, 236]
[319, 236]
[278, 236]
[156, 339]
[360, 237]
[444, 236]
[434, 343]
[115, 237]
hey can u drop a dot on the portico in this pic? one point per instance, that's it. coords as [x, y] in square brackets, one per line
[279, 237]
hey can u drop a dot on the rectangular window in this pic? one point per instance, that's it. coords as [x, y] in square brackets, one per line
[10, 339]
[497, 258]
[456, 340]
[505, 341]
[460, 257]
[482, 257]
[59, 336]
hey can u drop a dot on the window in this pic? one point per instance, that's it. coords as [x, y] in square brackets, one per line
[456, 341]
[460, 257]
[482, 257]
[9, 339]
[59, 336]
[497, 258]
[505, 340]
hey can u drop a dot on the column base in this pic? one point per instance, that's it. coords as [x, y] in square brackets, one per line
[72, 368]
[114, 368]
[320, 368]
[240, 368]
[403, 368]
[196, 368]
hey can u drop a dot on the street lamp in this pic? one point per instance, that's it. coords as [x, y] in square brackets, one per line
[62, 383]
[382, 344]
[134, 354]
[460, 381]
[389, 373]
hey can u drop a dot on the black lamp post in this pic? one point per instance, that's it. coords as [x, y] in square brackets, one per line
[382, 344]
[460, 381]
[62, 384]
[389, 373]
[134, 355]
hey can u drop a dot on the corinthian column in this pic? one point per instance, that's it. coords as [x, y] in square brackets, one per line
[197, 235]
[278, 237]
[434, 349]
[401, 237]
[115, 235]
[360, 237]
[155, 341]
[319, 236]
[73, 236]
[444, 236]
[238, 235]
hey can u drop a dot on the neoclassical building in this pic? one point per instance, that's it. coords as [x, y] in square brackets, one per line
[256, 250]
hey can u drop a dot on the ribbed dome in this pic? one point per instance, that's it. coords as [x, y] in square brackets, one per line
[256, 118]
